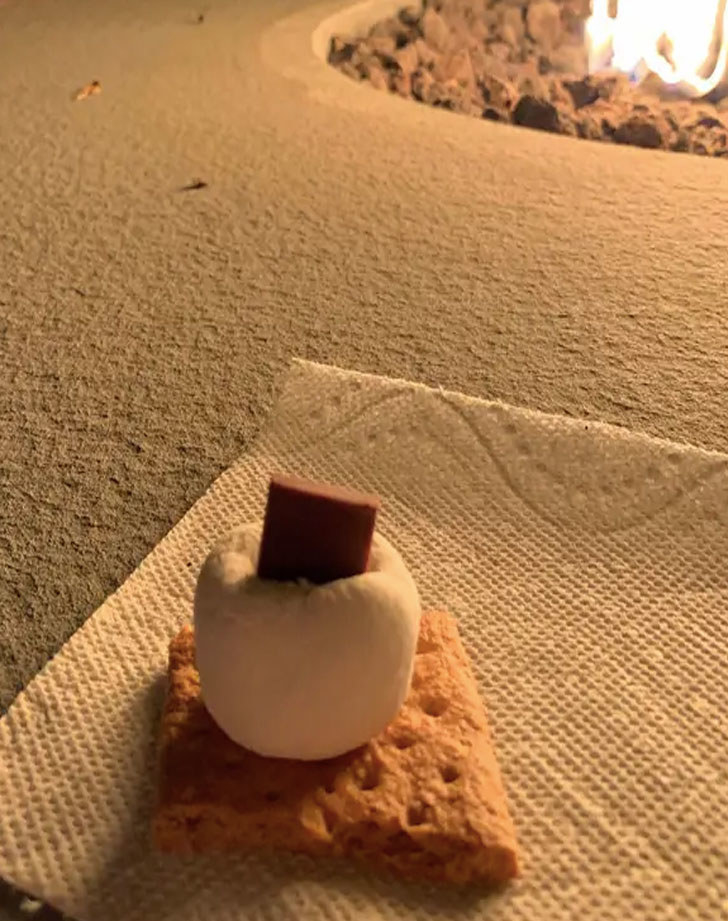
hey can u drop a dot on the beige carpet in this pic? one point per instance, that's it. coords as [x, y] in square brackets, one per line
[143, 329]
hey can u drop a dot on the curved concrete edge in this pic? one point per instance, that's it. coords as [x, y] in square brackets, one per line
[297, 47]
[351, 20]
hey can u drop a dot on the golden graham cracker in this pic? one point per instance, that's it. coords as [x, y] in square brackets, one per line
[424, 799]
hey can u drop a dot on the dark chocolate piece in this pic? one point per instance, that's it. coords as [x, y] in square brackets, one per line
[315, 531]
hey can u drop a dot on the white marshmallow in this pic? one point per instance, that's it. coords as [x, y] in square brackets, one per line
[295, 670]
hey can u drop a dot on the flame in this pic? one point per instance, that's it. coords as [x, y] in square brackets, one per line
[685, 42]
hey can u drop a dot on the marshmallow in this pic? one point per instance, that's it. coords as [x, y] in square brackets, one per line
[296, 670]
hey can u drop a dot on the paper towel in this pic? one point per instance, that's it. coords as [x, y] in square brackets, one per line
[588, 570]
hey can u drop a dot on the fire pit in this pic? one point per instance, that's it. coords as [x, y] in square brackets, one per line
[645, 72]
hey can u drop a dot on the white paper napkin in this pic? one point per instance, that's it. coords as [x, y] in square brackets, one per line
[589, 571]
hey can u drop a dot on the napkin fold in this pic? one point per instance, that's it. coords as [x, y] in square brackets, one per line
[587, 568]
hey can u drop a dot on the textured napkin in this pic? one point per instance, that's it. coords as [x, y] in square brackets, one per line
[588, 570]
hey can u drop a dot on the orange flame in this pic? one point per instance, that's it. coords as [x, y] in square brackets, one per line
[685, 42]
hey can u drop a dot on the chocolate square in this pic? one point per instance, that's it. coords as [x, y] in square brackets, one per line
[315, 531]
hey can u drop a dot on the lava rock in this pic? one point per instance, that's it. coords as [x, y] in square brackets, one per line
[498, 94]
[609, 117]
[671, 117]
[386, 28]
[652, 85]
[341, 50]
[680, 141]
[485, 64]
[500, 50]
[457, 67]
[362, 62]
[560, 97]
[569, 59]
[613, 85]
[407, 59]
[435, 93]
[492, 114]
[532, 84]
[709, 141]
[511, 26]
[377, 77]
[543, 20]
[425, 55]
[422, 83]
[478, 34]
[435, 30]
[380, 44]
[410, 16]
[588, 127]
[709, 121]
[573, 15]
[402, 84]
[583, 92]
[462, 97]
[641, 130]
[534, 112]
[351, 70]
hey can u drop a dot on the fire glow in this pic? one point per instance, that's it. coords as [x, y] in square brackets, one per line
[684, 42]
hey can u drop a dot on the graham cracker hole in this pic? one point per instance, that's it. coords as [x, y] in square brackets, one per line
[416, 814]
[434, 706]
[404, 742]
[370, 778]
[449, 773]
[272, 796]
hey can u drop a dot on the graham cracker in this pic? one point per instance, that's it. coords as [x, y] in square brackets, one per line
[424, 799]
